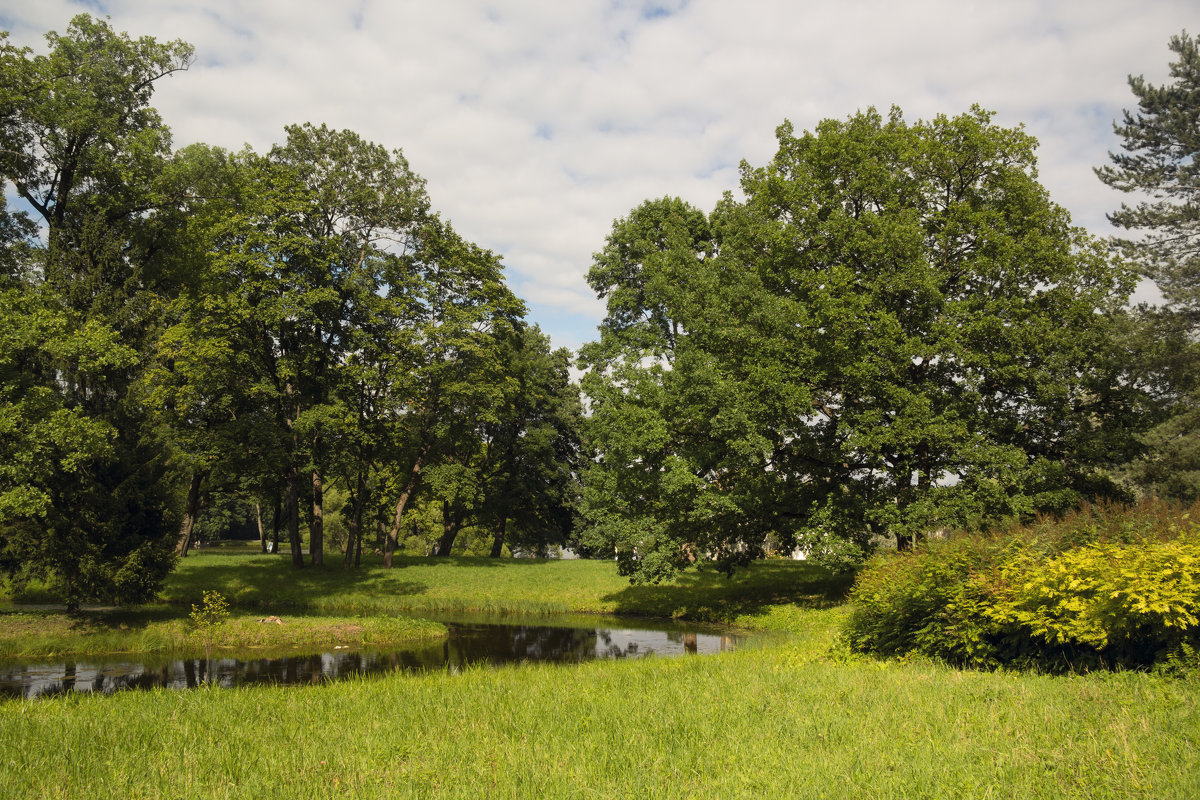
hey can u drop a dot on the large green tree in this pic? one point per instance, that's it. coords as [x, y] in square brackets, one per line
[894, 331]
[302, 249]
[1160, 165]
[83, 149]
[456, 381]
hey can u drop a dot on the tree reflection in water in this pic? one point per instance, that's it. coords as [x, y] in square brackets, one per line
[467, 644]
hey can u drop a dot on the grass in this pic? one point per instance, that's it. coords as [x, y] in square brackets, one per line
[506, 586]
[166, 631]
[787, 716]
[785, 720]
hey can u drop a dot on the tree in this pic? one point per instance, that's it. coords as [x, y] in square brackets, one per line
[457, 382]
[533, 454]
[299, 248]
[82, 147]
[895, 331]
[1161, 163]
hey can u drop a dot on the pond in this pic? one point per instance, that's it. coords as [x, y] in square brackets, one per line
[470, 642]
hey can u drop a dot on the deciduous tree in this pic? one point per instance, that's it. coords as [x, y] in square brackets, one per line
[895, 331]
[81, 146]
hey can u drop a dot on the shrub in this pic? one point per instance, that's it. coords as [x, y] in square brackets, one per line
[1104, 587]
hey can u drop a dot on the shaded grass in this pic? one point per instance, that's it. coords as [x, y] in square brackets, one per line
[784, 720]
[506, 586]
[317, 601]
[167, 631]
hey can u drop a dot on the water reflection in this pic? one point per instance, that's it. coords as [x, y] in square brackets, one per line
[467, 644]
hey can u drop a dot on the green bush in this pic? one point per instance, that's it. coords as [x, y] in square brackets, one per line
[1105, 587]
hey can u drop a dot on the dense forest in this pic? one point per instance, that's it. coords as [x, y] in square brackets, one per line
[891, 330]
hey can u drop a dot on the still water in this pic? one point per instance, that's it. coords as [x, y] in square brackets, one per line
[468, 643]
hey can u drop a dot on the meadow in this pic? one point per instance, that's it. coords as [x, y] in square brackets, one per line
[788, 715]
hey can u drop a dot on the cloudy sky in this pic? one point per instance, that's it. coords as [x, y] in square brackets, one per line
[538, 122]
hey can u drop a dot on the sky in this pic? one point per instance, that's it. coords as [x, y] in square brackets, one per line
[537, 123]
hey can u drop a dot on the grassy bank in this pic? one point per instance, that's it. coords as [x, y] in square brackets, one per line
[166, 631]
[513, 586]
[778, 721]
[786, 716]
[329, 606]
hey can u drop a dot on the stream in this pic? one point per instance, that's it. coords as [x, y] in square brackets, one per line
[472, 642]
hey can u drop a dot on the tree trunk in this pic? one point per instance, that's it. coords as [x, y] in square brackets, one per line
[358, 549]
[293, 515]
[190, 510]
[353, 543]
[276, 523]
[262, 532]
[451, 522]
[394, 532]
[316, 531]
[498, 540]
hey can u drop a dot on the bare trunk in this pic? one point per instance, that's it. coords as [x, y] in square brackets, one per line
[498, 539]
[394, 532]
[276, 523]
[316, 531]
[353, 542]
[293, 515]
[451, 522]
[262, 532]
[190, 510]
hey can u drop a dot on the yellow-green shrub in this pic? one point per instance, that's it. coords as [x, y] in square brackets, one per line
[1105, 587]
[1133, 604]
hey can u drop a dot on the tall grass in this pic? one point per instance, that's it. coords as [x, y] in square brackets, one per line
[778, 721]
[166, 631]
[786, 716]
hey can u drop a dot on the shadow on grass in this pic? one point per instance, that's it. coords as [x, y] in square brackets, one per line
[702, 595]
[272, 582]
[34, 621]
[706, 595]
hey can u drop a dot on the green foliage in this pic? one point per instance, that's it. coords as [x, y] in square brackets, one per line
[208, 618]
[86, 489]
[211, 613]
[1161, 164]
[1104, 587]
[896, 331]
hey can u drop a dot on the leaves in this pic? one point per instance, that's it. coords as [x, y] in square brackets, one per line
[895, 331]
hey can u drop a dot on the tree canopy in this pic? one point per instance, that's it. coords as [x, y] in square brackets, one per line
[251, 327]
[1160, 164]
[893, 332]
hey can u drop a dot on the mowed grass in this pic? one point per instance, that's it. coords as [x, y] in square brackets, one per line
[785, 720]
[167, 631]
[503, 586]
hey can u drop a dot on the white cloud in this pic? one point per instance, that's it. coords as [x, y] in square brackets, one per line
[537, 123]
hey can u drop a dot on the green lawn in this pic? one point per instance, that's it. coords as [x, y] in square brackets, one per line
[513, 586]
[787, 716]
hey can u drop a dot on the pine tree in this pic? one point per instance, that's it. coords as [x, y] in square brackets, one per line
[1161, 162]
